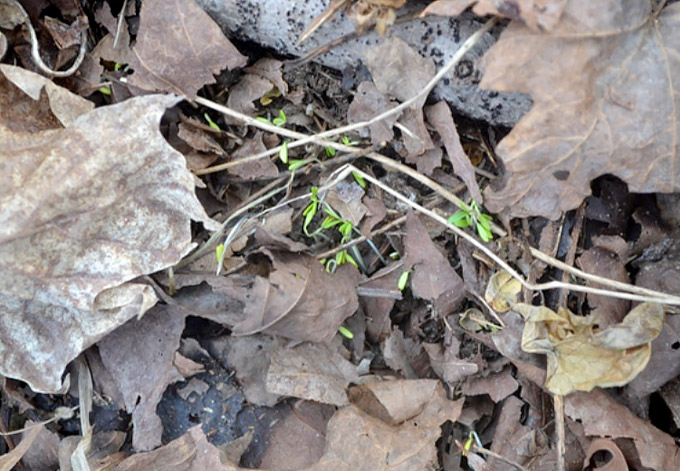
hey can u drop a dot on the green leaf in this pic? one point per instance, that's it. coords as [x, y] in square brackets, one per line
[283, 152]
[331, 212]
[281, 120]
[484, 223]
[360, 180]
[403, 279]
[294, 164]
[329, 222]
[330, 152]
[350, 259]
[219, 252]
[484, 233]
[105, 91]
[263, 120]
[345, 332]
[460, 219]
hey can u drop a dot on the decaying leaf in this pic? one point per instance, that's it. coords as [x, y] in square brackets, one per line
[605, 102]
[8, 460]
[401, 354]
[433, 277]
[83, 210]
[345, 199]
[249, 357]
[502, 291]
[139, 356]
[580, 355]
[299, 300]
[447, 364]
[179, 48]
[537, 14]
[368, 102]
[512, 440]
[497, 385]
[257, 168]
[314, 372]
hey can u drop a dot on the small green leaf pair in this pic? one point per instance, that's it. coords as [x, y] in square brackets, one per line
[473, 216]
[278, 121]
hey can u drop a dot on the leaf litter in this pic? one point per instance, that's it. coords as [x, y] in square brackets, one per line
[312, 352]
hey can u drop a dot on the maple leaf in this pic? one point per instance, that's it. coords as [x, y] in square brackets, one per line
[604, 84]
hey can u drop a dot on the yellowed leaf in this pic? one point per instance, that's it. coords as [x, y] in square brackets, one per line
[582, 357]
[502, 290]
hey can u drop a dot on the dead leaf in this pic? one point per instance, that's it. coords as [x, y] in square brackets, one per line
[65, 106]
[617, 462]
[376, 212]
[594, 111]
[428, 162]
[8, 460]
[440, 117]
[401, 354]
[179, 48]
[377, 310]
[604, 416]
[511, 439]
[198, 139]
[416, 137]
[497, 385]
[433, 278]
[580, 356]
[300, 300]
[312, 372]
[261, 168]
[502, 291]
[297, 440]
[398, 70]
[345, 198]
[537, 14]
[43, 453]
[83, 210]
[367, 103]
[447, 364]
[241, 96]
[139, 356]
[270, 69]
[195, 385]
[250, 357]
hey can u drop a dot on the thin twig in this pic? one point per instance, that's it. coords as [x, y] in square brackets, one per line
[303, 139]
[558, 406]
[35, 49]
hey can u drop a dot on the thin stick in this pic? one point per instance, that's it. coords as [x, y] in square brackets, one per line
[35, 50]
[304, 139]
[558, 406]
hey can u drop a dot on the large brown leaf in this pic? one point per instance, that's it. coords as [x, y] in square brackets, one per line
[179, 48]
[83, 210]
[604, 83]
[300, 300]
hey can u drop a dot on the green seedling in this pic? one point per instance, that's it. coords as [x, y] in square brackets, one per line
[310, 211]
[219, 252]
[330, 152]
[346, 140]
[345, 332]
[294, 164]
[105, 91]
[211, 123]
[268, 97]
[472, 215]
[403, 280]
[283, 153]
[359, 179]
[281, 119]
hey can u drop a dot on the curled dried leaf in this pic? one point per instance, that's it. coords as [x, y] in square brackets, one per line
[502, 291]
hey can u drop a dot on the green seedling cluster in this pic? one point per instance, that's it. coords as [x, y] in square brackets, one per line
[280, 120]
[332, 219]
[472, 215]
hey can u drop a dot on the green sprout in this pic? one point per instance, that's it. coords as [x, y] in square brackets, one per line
[472, 215]
[211, 123]
[219, 252]
[345, 332]
[330, 152]
[281, 120]
[403, 280]
[105, 91]
[283, 153]
[310, 211]
[359, 179]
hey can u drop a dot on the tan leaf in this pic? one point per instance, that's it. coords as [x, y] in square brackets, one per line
[179, 48]
[8, 460]
[605, 102]
[313, 372]
[580, 356]
[367, 103]
[502, 291]
[257, 168]
[83, 210]
[299, 300]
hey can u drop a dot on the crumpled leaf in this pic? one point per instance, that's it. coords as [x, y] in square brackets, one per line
[83, 210]
[299, 300]
[537, 14]
[502, 291]
[368, 101]
[433, 277]
[345, 199]
[313, 372]
[179, 48]
[605, 102]
[139, 356]
[581, 356]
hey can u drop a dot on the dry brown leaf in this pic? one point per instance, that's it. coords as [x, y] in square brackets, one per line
[401, 353]
[249, 357]
[604, 416]
[139, 356]
[582, 357]
[617, 462]
[198, 139]
[377, 310]
[314, 372]
[537, 14]
[262, 168]
[497, 385]
[345, 199]
[297, 440]
[428, 162]
[447, 364]
[300, 300]
[511, 439]
[83, 210]
[416, 137]
[433, 278]
[8, 460]
[179, 48]
[241, 96]
[270, 69]
[440, 117]
[604, 87]
[43, 454]
[367, 103]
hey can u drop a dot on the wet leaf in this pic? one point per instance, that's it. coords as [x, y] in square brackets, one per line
[179, 48]
[581, 356]
[83, 210]
[605, 102]
[299, 300]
